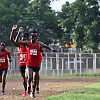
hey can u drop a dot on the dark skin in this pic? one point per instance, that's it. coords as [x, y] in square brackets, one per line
[23, 39]
[41, 44]
[3, 77]
[18, 45]
[25, 43]
[33, 41]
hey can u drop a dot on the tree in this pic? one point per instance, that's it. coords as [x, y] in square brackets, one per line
[41, 18]
[80, 20]
[10, 13]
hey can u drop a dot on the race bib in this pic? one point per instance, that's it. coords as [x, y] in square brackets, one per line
[33, 52]
[2, 60]
[23, 57]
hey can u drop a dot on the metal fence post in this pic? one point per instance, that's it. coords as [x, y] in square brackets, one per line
[51, 62]
[86, 63]
[57, 63]
[70, 71]
[75, 63]
[95, 63]
[46, 65]
[68, 62]
[80, 64]
[62, 65]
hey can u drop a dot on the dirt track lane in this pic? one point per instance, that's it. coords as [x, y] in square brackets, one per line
[14, 88]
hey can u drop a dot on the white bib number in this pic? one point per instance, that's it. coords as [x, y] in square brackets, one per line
[2, 60]
[33, 52]
[23, 57]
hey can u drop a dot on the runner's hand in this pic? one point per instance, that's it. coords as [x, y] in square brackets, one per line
[9, 59]
[14, 27]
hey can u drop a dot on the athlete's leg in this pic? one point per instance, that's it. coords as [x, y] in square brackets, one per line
[4, 80]
[33, 85]
[37, 81]
[29, 75]
[22, 70]
[24, 81]
[35, 72]
[0, 76]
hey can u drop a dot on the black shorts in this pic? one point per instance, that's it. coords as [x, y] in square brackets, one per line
[3, 71]
[35, 69]
[22, 69]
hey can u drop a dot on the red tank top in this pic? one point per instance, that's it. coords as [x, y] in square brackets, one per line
[3, 60]
[33, 55]
[22, 56]
[40, 57]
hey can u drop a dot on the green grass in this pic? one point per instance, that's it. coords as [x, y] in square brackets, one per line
[72, 76]
[91, 92]
[14, 77]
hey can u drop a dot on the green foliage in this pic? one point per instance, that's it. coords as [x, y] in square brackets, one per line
[34, 15]
[41, 18]
[10, 13]
[80, 20]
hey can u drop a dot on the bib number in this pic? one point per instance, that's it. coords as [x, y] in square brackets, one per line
[33, 52]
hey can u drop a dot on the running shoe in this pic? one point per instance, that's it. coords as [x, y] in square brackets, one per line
[25, 93]
[37, 90]
[32, 95]
[28, 90]
[3, 93]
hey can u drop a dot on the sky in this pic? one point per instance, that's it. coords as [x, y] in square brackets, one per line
[57, 5]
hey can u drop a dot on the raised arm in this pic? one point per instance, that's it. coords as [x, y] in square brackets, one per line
[16, 42]
[12, 34]
[20, 30]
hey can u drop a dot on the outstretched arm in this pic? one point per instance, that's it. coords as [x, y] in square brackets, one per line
[42, 51]
[46, 46]
[9, 56]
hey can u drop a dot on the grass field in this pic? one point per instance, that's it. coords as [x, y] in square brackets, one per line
[18, 76]
[91, 92]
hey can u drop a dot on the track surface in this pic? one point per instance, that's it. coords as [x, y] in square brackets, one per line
[14, 88]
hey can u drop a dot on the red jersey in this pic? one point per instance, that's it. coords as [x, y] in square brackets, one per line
[22, 56]
[3, 60]
[33, 55]
[40, 57]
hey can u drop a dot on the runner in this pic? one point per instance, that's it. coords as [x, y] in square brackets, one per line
[22, 54]
[3, 65]
[22, 57]
[33, 58]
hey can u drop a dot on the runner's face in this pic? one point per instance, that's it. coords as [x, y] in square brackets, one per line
[34, 37]
[3, 46]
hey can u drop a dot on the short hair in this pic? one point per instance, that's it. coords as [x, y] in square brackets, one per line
[25, 35]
